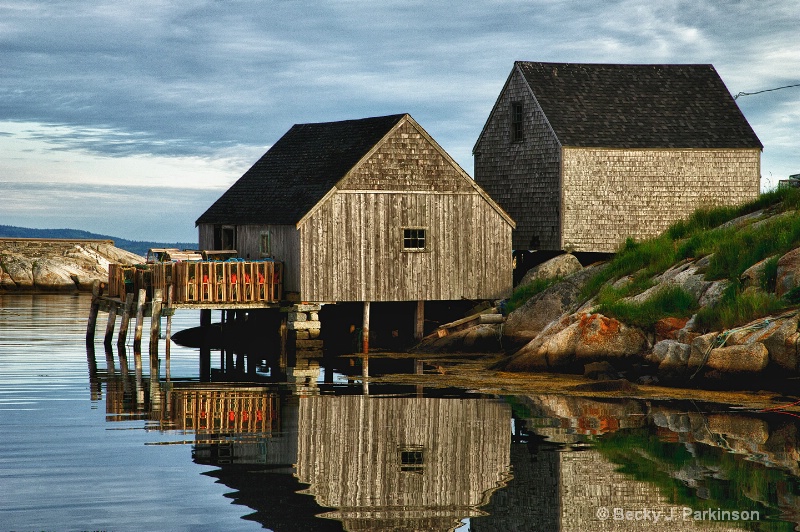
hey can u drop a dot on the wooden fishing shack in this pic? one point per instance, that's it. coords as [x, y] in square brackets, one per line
[364, 211]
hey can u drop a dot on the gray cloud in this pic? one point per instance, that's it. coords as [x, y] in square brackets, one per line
[199, 77]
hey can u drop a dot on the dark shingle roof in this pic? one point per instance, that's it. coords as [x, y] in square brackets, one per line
[298, 171]
[638, 106]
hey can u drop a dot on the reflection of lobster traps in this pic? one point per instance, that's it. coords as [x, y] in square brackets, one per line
[227, 282]
[234, 410]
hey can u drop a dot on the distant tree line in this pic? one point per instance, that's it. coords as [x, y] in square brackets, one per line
[134, 246]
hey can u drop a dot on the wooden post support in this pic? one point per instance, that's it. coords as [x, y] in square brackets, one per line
[284, 335]
[419, 321]
[169, 331]
[365, 329]
[365, 373]
[112, 321]
[126, 318]
[155, 317]
[97, 291]
[137, 335]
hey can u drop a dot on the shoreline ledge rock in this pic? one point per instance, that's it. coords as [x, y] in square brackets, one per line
[32, 265]
[558, 330]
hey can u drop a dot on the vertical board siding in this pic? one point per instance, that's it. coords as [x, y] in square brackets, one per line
[284, 239]
[349, 452]
[613, 194]
[523, 177]
[361, 259]
[352, 244]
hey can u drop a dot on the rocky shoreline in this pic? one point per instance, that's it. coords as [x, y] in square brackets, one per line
[561, 329]
[38, 265]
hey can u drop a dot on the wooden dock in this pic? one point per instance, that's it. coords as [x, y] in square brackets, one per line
[159, 289]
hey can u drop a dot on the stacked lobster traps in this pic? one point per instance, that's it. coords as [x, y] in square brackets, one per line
[201, 282]
[228, 282]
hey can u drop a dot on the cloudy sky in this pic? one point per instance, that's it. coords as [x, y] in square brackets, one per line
[131, 118]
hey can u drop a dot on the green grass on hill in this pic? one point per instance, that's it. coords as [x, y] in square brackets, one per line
[733, 250]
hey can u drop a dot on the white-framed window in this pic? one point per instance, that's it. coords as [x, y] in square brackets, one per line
[415, 238]
[265, 244]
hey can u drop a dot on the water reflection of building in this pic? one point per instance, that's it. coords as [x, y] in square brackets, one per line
[402, 463]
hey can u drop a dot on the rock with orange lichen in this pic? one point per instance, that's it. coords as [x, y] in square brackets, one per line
[578, 338]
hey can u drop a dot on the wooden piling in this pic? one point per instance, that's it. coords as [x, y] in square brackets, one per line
[112, 321]
[126, 318]
[137, 335]
[419, 321]
[365, 373]
[284, 335]
[155, 317]
[169, 332]
[365, 329]
[97, 291]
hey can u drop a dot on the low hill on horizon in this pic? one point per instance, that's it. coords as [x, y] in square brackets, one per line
[138, 247]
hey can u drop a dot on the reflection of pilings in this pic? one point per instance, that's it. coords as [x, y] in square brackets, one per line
[94, 381]
[123, 360]
[137, 362]
[110, 371]
[418, 370]
[123, 364]
[365, 329]
[155, 379]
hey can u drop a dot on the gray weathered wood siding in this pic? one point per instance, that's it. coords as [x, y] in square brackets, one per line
[285, 247]
[351, 248]
[523, 176]
[351, 244]
[350, 452]
[205, 236]
[407, 161]
[612, 194]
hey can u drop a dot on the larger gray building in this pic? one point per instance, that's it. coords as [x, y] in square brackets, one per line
[583, 156]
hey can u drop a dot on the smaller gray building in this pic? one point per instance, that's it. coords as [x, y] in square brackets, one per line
[583, 156]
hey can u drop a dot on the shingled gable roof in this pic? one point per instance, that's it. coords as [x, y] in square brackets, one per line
[298, 171]
[638, 106]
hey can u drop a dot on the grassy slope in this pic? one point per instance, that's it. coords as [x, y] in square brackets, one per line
[134, 246]
[732, 251]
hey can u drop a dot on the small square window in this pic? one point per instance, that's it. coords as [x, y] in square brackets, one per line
[414, 239]
[412, 459]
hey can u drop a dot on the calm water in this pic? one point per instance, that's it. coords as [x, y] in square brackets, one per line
[90, 443]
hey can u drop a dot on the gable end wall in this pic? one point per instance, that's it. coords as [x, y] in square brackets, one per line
[523, 177]
[351, 245]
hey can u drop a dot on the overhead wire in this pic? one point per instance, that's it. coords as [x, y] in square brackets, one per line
[765, 90]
